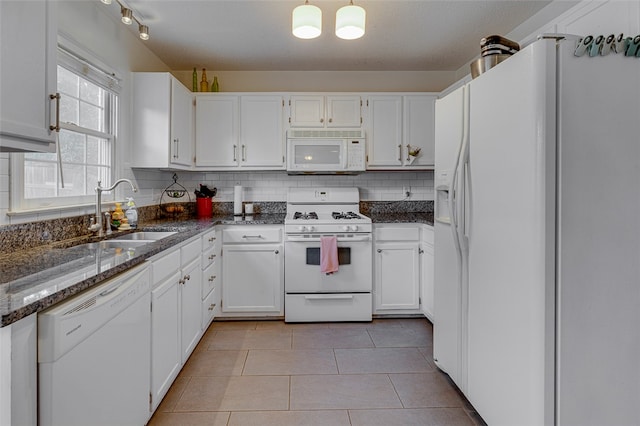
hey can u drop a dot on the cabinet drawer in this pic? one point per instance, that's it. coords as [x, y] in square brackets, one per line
[209, 240]
[427, 234]
[209, 309]
[397, 234]
[210, 279]
[190, 251]
[252, 234]
[210, 256]
[165, 266]
[314, 307]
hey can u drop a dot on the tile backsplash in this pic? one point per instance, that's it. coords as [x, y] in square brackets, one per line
[257, 186]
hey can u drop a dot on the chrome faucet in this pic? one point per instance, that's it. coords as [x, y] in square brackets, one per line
[98, 224]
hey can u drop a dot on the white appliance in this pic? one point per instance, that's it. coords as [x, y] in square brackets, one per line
[94, 355]
[537, 246]
[311, 295]
[325, 151]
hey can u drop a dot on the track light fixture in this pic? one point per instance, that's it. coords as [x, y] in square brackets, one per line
[127, 15]
[128, 18]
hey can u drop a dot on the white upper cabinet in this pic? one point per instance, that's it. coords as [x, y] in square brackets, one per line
[262, 141]
[240, 131]
[217, 131]
[28, 46]
[162, 122]
[398, 126]
[325, 111]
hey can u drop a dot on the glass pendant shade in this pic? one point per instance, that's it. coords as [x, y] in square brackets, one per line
[106, 1]
[307, 21]
[350, 22]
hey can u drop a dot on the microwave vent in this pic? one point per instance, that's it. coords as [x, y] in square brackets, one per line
[326, 133]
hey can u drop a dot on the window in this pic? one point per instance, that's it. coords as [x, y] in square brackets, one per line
[86, 141]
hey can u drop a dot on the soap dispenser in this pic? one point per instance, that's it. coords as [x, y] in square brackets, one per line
[132, 213]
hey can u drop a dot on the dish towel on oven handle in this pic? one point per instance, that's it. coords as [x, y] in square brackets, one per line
[328, 255]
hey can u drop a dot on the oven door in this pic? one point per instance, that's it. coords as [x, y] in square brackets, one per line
[302, 265]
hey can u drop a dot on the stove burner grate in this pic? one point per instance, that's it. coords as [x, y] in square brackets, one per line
[347, 215]
[305, 216]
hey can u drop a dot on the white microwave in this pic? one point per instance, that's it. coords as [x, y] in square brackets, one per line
[325, 151]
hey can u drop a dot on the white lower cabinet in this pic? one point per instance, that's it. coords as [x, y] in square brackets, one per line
[253, 271]
[426, 272]
[176, 325]
[211, 279]
[397, 268]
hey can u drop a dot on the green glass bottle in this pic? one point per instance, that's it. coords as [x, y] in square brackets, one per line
[214, 85]
[194, 88]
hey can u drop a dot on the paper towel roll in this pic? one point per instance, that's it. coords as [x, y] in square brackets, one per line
[237, 200]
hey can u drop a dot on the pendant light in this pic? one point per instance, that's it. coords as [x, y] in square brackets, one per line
[350, 22]
[306, 21]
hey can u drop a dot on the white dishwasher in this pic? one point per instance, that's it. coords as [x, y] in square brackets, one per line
[94, 355]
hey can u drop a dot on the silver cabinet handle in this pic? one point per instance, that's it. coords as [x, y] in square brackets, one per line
[244, 152]
[213, 256]
[420, 251]
[322, 120]
[181, 281]
[212, 306]
[252, 236]
[235, 150]
[399, 152]
[187, 277]
[408, 149]
[212, 239]
[56, 127]
[277, 252]
[175, 148]
[211, 278]
[379, 250]
[331, 120]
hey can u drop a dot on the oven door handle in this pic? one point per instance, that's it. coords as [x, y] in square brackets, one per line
[329, 296]
[317, 239]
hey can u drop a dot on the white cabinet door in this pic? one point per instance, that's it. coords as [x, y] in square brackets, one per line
[181, 125]
[166, 359]
[419, 129]
[217, 131]
[191, 305]
[262, 142]
[306, 111]
[344, 111]
[253, 278]
[28, 46]
[384, 131]
[162, 122]
[397, 267]
[427, 272]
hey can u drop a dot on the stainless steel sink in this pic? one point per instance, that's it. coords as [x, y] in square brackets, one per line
[112, 244]
[144, 236]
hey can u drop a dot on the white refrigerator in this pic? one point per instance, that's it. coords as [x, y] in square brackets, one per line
[537, 238]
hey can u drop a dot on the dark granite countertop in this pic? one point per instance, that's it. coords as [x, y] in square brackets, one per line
[402, 217]
[33, 280]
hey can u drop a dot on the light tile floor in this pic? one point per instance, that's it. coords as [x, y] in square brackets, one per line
[329, 374]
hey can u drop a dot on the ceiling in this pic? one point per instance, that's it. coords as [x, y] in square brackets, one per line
[255, 35]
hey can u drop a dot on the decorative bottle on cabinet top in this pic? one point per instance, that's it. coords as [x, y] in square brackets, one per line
[204, 84]
[214, 86]
[194, 87]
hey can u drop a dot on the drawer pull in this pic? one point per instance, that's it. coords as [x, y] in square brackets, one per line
[212, 306]
[212, 239]
[211, 278]
[213, 256]
[248, 237]
[330, 297]
[379, 250]
[187, 277]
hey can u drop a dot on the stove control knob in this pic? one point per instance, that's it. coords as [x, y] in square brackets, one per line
[310, 228]
[354, 228]
[302, 228]
[345, 228]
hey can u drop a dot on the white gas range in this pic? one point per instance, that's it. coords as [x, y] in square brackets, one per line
[310, 295]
